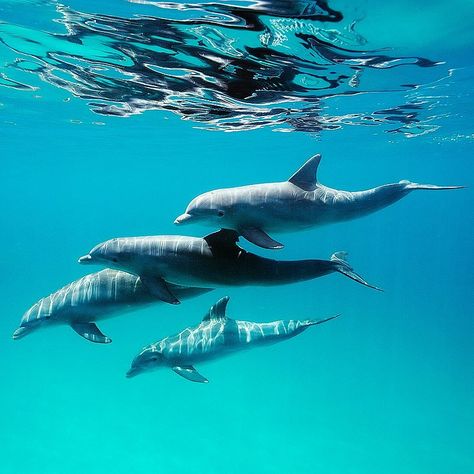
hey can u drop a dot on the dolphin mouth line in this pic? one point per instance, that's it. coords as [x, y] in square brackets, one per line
[85, 259]
[133, 372]
[20, 332]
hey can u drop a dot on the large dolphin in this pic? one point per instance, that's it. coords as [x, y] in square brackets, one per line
[216, 336]
[299, 203]
[94, 297]
[213, 261]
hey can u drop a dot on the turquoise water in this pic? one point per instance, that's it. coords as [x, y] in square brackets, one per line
[385, 388]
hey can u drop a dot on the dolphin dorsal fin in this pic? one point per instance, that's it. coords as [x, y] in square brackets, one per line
[217, 311]
[223, 237]
[223, 243]
[306, 177]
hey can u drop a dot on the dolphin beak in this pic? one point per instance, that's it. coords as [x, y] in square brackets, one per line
[84, 260]
[20, 332]
[183, 218]
[132, 372]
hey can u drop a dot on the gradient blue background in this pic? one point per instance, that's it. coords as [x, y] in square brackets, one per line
[386, 388]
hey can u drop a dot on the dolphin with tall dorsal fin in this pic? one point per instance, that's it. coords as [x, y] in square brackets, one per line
[216, 336]
[92, 298]
[209, 262]
[257, 210]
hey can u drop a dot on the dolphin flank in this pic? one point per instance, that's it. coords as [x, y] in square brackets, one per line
[302, 202]
[216, 336]
[94, 297]
[213, 261]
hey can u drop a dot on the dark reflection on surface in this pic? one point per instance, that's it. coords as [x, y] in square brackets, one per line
[227, 66]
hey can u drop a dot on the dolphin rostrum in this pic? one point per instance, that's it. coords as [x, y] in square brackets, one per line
[216, 336]
[94, 297]
[213, 261]
[299, 203]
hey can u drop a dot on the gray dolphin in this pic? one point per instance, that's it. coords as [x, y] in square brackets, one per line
[94, 297]
[299, 203]
[213, 261]
[216, 336]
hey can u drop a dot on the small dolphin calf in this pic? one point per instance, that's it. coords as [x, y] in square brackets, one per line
[216, 336]
[209, 262]
[299, 203]
[93, 297]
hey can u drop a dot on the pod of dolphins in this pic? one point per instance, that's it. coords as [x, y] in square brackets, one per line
[168, 269]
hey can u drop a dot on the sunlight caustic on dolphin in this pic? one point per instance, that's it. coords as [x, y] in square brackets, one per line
[216, 336]
[92, 298]
[213, 261]
[299, 203]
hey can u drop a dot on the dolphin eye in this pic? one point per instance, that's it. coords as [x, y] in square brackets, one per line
[220, 213]
[114, 259]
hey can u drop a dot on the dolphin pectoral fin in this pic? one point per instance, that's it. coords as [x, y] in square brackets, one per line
[91, 332]
[190, 373]
[260, 238]
[159, 288]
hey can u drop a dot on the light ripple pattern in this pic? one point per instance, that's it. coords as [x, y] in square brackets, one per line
[225, 66]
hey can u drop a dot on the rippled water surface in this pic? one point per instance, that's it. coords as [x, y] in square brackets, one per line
[113, 116]
[292, 66]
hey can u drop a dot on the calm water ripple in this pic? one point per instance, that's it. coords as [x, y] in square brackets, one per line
[291, 65]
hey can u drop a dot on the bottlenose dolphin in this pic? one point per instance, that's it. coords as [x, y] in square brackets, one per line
[94, 297]
[216, 336]
[209, 262]
[299, 203]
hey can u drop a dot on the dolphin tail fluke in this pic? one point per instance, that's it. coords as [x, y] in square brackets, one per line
[432, 187]
[313, 322]
[342, 266]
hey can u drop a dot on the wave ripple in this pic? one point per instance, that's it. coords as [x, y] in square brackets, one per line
[290, 65]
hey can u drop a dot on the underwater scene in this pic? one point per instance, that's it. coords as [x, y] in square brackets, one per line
[237, 237]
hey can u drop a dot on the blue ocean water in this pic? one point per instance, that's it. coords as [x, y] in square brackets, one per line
[102, 139]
